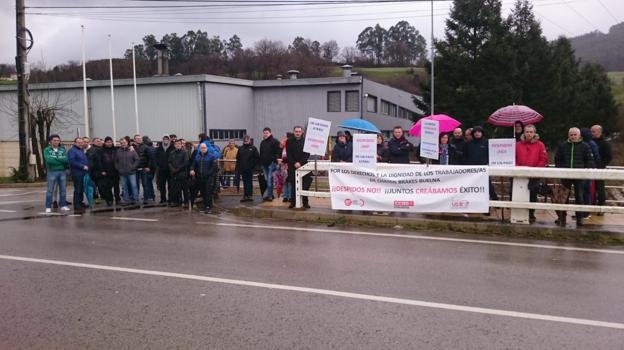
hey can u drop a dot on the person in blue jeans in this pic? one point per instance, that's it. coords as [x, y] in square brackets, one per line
[78, 167]
[56, 163]
[270, 157]
[126, 163]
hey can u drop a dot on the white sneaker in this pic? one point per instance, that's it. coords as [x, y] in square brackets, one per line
[48, 211]
[65, 208]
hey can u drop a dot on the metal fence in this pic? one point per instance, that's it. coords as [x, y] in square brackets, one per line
[519, 203]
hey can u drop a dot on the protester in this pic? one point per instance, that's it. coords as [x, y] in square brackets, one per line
[246, 160]
[348, 136]
[229, 164]
[589, 185]
[178, 168]
[204, 170]
[531, 152]
[147, 168]
[443, 150]
[79, 167]
[518, 130]
[343, 150]
[456, 147]
[287, 188]
[137, 145]
[382, 149]
[399, 147]
[476, 152]
[575, 154]
[126, 164]
[56, 163]
[468, 135]
[606, 155]
[296, 158]
[163, 177]
[92, 154]
[108, 174]
[270, 158]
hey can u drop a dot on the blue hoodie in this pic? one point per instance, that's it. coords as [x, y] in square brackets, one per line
[77, 161]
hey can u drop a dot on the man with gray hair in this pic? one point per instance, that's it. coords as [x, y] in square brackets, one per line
[574, 154]
[606, 155]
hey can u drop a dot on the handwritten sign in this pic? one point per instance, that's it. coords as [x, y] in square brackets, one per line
[429, 139]
[316, 136]
[502, 152]
[365, 150]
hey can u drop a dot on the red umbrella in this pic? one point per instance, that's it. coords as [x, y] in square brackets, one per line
[447, 124]
[507, 116]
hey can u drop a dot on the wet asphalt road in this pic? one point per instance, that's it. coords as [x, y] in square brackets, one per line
[49, 306]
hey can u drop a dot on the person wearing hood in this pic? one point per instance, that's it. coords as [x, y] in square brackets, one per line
[574, 154]
[147, 168]
[518, 130]
[163, 176]
[343, 150]
[606, 155]
[531, 152]
[109, 177]
[456, 147]
[590, 185]
[476, 152]
[399, 148]
[204, 170]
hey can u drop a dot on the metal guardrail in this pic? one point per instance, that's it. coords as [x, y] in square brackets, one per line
[519, 204]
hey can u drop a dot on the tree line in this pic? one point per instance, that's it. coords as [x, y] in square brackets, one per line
[485, 62]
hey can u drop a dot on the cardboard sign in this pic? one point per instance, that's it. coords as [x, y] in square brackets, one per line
[365, 150]
[502, 152]
[430, 139]
[316, 136]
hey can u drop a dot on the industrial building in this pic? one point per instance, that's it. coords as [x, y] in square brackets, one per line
[222, 107]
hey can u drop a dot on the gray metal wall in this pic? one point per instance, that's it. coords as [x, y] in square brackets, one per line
[229, 107]
[396, 96]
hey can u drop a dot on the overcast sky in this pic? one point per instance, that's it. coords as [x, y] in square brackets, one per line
[57, 37]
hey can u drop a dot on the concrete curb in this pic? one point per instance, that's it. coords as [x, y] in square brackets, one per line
[594, 236]
[23, 185]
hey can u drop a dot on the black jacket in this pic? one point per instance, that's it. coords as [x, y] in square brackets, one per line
[270, 151]
[476, 152]
[105, 161]
[295, 153]
[93, 154]
[399, 150]
[247, 157]
[382, 152]
[178, 162]
[456, 151]
[342, 152]
[162, 157]
[606, 154]
[575, 155]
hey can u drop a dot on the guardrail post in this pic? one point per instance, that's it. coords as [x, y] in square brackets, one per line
[298, 187]
[520, 194]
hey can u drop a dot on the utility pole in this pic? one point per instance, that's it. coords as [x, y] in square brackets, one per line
[23, 72]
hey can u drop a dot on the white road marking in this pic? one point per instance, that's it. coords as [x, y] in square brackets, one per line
[7, 211]
[132, 219]
[446, 239]
[18, 202]
[358, 296]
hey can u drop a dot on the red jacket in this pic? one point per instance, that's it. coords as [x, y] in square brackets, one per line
[531, 153]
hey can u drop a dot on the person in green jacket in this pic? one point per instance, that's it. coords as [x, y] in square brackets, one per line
[56, 163]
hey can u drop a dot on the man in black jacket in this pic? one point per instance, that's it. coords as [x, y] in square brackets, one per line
[606, 155]
[163, 176]
[574, 154]
[178, 166]
[343, 150]
[270, 157]
[476, 152]
[147, 168]
[296, 158]
[108, 175]
[246, 160]
[456, 147]
[399, 148]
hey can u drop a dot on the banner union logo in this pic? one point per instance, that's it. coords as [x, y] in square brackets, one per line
[460, 204]
[403, 204]
[354, 202]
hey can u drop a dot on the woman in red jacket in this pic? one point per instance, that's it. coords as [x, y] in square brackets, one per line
[530, 151]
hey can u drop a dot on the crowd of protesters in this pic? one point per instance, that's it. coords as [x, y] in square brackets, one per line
[184, 171]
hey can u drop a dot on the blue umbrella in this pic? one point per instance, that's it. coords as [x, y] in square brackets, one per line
[360, 125]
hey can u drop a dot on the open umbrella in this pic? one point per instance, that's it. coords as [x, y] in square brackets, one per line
[507, 116]
[360, 125]
[447, 124]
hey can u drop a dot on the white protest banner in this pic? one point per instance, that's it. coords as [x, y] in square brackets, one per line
[410, 188]
[429, 139]
[365, 150]
[502, 152]
[316, 136]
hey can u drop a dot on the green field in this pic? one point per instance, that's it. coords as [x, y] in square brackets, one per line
[8, 82]
[617, 79]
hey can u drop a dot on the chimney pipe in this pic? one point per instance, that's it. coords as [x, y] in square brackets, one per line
[293, 73]
[278, 77]
[346, 70]
[162, 59]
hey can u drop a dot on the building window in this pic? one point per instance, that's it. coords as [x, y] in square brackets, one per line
[334, 101]
[371, 104]
[352, 101]
[226, 134]
[385, 107]
[406, 113]
[393, 110]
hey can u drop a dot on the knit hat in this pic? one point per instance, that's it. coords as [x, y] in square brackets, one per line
[108, 138]
[340, 133]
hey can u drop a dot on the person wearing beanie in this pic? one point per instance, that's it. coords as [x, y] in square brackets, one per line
[476, 152]
[343, 150]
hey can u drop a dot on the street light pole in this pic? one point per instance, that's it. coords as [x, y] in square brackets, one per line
[112, 91]
[136, 102]
[84, 85]
[432, 63]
